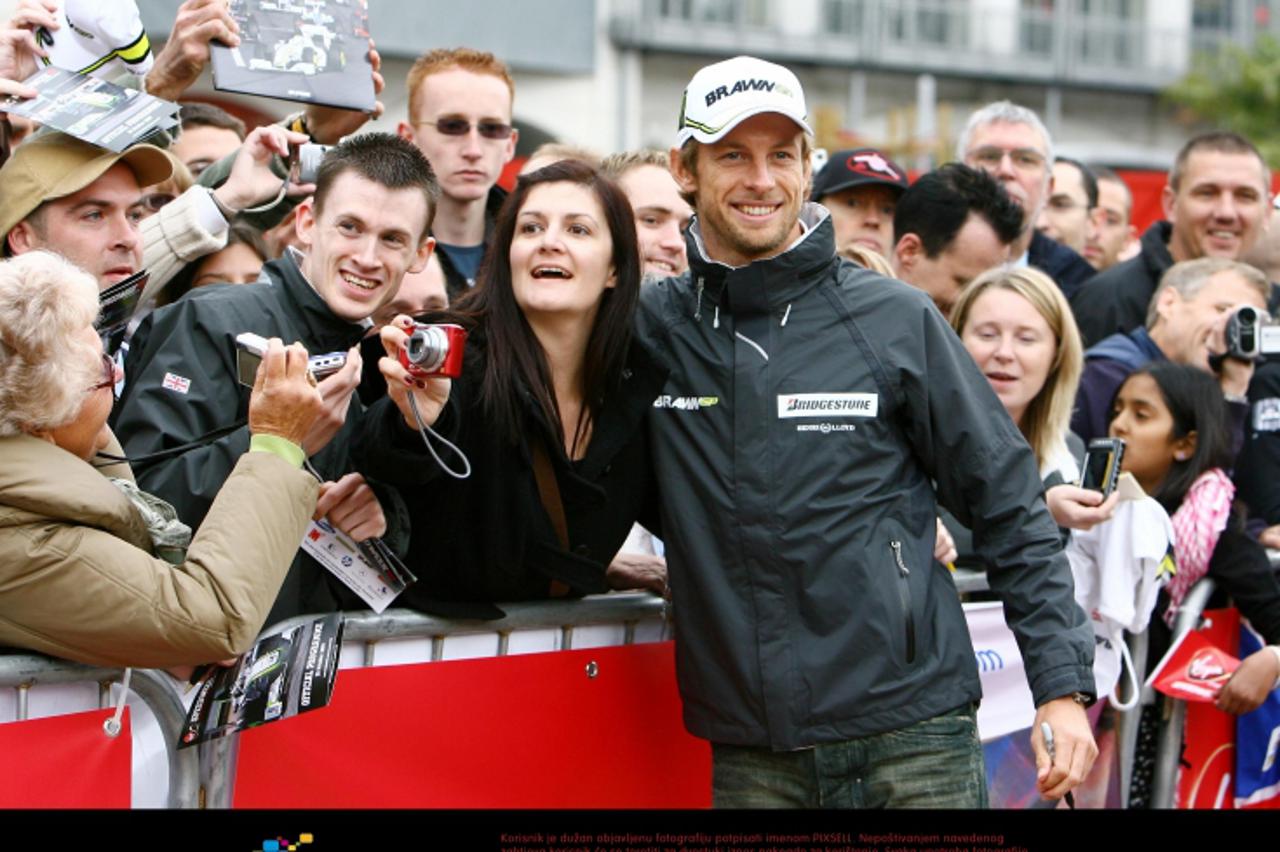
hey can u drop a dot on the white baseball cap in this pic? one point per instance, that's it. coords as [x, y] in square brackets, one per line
[721, 96]
[98, 38]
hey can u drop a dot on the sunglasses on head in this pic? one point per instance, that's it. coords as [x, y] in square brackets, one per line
[461, 127]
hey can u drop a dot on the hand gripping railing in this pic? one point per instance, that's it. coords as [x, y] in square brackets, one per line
[22, 671]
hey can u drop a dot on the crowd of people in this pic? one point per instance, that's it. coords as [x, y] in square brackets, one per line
[785, 400]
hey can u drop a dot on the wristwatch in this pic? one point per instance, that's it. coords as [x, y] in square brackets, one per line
[1081, 699]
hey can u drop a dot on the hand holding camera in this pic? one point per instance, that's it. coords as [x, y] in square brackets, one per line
[1242, 337]
[285, 401]
[421, 360]
[251, 181]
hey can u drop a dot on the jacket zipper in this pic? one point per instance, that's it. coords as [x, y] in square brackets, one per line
[904, 595]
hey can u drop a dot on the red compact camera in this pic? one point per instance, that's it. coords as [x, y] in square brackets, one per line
[434, 350]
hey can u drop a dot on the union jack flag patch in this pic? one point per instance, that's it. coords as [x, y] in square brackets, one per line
[172, 382]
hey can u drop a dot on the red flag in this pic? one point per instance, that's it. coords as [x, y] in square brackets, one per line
[1193, 669]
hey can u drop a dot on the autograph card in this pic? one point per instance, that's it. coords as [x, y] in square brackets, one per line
[373, 574]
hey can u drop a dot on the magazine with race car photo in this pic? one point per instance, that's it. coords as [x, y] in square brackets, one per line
[312, 51]
[96, 111]
[285, 673]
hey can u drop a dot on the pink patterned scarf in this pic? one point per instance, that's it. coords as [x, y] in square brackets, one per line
[1196, 526]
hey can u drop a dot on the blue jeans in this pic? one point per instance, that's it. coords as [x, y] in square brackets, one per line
[936, 763]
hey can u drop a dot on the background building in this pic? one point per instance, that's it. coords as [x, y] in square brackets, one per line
[902, 74]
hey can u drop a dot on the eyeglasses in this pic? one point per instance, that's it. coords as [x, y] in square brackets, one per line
[1023, 159]
[461, 127]
[108, 374]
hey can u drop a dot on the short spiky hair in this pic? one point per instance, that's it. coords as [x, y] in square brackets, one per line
[1222, 142]
[938, 204]
[616, 165]
[466, 58]
[383, 158]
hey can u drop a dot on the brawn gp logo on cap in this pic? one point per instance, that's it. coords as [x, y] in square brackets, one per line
[745, 86]
[721, 96]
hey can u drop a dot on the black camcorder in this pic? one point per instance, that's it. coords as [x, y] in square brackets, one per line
[1250, 334]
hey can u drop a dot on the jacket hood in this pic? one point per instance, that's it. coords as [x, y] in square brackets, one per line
[39, 478]
[770, 283]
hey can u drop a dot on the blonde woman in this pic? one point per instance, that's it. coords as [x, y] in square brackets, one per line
[1018, 327]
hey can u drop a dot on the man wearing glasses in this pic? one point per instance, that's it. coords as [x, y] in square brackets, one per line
[1068, 217]
[1013, 145]
[460, 117]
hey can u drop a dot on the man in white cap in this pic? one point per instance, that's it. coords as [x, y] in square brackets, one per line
[810, 407]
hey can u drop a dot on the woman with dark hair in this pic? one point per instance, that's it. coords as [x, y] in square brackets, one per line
[1174, 422]
[550, 407]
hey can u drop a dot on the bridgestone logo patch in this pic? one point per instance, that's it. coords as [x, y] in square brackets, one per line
[828, 404]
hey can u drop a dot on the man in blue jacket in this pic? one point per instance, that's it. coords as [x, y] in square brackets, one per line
[810, 407]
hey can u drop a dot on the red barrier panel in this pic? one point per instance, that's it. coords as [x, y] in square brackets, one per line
[66, 762]
[526, 731]
[1208, 774]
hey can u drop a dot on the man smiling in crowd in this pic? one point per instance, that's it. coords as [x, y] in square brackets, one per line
[817, 649]
[1216, 204]
[365, 227]
[661, 214]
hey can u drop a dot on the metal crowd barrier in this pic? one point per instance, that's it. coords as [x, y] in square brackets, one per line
[1169, 749]
[23, 671]
[1164, 784]
[367, 629]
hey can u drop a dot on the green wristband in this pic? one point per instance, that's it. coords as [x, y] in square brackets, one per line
[282, 447]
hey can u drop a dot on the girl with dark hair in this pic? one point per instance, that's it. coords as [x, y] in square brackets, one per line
[550, 408]
[1173, 420]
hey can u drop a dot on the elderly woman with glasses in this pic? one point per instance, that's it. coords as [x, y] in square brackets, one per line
[91, 568]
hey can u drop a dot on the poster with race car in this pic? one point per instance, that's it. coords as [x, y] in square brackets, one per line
[312, 51]
[286, 673]
[96, 111]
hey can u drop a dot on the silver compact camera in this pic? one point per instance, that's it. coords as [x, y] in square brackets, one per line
[309, 157]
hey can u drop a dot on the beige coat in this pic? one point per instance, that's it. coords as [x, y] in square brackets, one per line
[78, 579]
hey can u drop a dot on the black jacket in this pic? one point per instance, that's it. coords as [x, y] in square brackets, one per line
[1116, 299]
[182, 385]
[455, 283]
[488, 538]
[1258, 469]
[810, 404]
[1068, 269]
